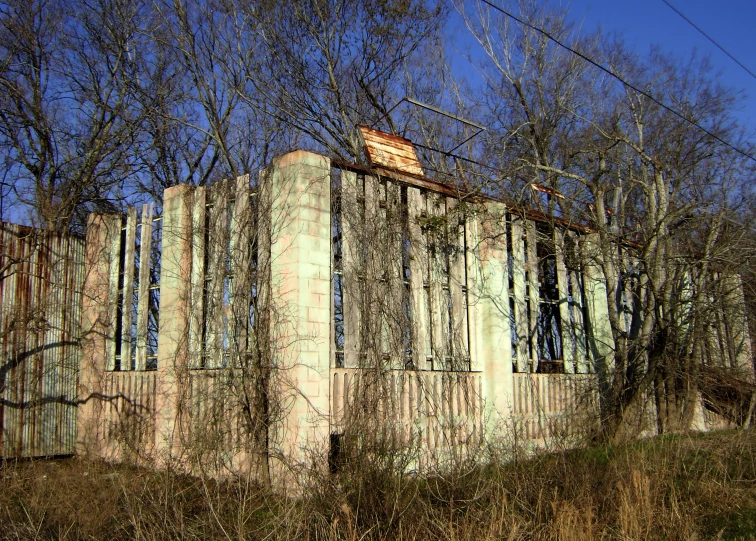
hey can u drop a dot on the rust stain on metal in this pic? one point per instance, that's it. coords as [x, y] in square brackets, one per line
[41, 273]
[547, 191]
[391, 151]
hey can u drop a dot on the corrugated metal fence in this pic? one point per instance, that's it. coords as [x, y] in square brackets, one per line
[41, 276]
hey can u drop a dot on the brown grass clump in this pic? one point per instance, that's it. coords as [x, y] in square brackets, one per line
[677, 487]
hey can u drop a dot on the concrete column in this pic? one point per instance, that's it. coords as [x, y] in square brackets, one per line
[98, 327]
[173, 335]
[577, 281]
[474, 284]
[439, 278]
[394, 322]
[457, 285]
[300, 289]
[600, 340]
[143, 303]
[372, 288]
[197, 277]
[533, 293]
[418, 279]
[735, 313]
[521, 311]
[490, 297]
[127, 347]
[568, 346]
[352, 235]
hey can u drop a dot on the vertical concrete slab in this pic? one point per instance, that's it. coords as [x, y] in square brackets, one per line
[457, 285]
[173, 335]
[533, 292]
[736, 316]
[217, 249]
[439, 280]
[98, 328]
[394, 316]
[473, 286]
[568, 344]
[127, 347]
[374, 223]
[519, 290]
[197, 317]
[300, 263]
[352, 232]
[144, 287]
[418, 279]
[491, 298]
[600, 340]
[577, 282]
[112, 302]
[241, 258]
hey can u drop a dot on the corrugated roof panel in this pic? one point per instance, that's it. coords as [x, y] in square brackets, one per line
[391, 151]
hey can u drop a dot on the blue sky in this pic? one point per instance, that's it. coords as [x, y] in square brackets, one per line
[731, 23]
[647, 23]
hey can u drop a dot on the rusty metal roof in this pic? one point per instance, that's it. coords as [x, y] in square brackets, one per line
[390, 151]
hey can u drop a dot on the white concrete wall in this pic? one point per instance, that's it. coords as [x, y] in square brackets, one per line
[295, 280]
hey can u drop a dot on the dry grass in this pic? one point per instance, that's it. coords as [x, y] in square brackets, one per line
[681, 487]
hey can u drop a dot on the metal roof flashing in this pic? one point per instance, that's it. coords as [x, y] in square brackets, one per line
[390, 151]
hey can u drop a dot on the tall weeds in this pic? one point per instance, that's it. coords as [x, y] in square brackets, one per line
[682, 487]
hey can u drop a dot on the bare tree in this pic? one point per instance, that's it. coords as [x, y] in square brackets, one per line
[661, 196]
[330, 66]
[69, 113]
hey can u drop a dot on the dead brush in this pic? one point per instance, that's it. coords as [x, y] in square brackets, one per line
[674, 487]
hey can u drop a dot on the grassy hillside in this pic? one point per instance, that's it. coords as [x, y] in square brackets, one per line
[679, 487]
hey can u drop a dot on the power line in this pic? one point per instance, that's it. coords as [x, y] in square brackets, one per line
[691, 23]
[620, 79]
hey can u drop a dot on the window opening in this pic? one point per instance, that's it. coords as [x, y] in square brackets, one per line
[510, 287]
[153, 302]
[549, 342]
[337, 249]
[206, 290]
[127, 332]
[406, 315]
[575, 296]
[118, 364]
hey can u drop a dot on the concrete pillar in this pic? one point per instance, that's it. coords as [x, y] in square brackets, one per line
[98, 327]
[736, 315]
[576, 282]
[474, 282]
[533, 295]
[197, 277]
[457, 285]
[519, 290]
[173, 337]
[352, 235]
[568, 345]
[490, 297]
[418, 279]
[600, 340]
[301, 321]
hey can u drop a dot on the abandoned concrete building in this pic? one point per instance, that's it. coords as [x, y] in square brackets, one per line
[264, 316]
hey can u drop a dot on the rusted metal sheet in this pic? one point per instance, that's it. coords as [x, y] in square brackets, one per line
[41, 275]
[391, 151]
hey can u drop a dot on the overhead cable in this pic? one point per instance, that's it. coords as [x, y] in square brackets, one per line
[691, 23]
[620, 79]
